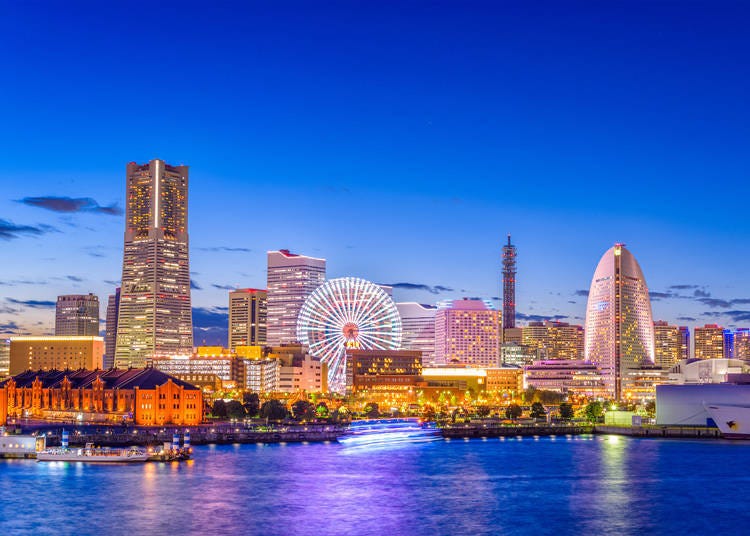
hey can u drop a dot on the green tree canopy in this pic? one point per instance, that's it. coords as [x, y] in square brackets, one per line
[594, 411]
[251, 401]
[513, 411]
[566, 411]
[302, 409]
[219, 409]
[273, 410]
[537, 411]
[235, 410]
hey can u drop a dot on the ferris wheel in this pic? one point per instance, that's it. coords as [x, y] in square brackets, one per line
[347, 312]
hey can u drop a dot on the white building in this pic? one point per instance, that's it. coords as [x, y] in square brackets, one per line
[619, 333]
[418, 328]
[685, 405]
[467, 331]
[291, 279]
[706, 370]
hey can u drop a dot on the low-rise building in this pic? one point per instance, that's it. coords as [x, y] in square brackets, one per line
[567, 376]
[384, 376]
[143, 396]
[55, 353]
[706, 370]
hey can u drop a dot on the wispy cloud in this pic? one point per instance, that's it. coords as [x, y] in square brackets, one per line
[581, 292]
[683, 287]
[687, 319]
[223, 287]
[10, 230]
[437, 289]
[734, 315]
[35, 304]
[194, 285]
[74, 278]
[225, 248]
[539, 318]
[71, 204]
[210, 325]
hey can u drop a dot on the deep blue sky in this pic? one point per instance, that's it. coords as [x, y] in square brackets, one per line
[400, 140]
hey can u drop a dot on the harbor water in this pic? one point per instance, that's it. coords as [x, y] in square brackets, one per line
[547, 485]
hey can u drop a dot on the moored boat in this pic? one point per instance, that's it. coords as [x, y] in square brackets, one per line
[733, 420]
[91, 454]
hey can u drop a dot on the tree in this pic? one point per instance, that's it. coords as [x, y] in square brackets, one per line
[537, 411]
[513, 411]
[483, 411]
[219, 409]
[273, 410]
[321, 410]
[302, 409]
[566, 411]
[372, 410]
[251, 401]
[594, 411]
[235, 410]
[428, 413]
[651, 408]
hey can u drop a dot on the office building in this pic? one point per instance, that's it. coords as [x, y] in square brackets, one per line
[709, 342]
[554, 340]
[619, 325]
[742, 344]
[668, 342]
[110, 335]
[418, 328]
[77, 315]
[55, 353]
[515, 354]
[684, 342]
[155, 316]
[569, 376]
[248, 310]
[4, 358]
[291, 279]
[467, 332]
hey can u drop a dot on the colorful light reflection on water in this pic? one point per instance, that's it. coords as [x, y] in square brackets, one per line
[577, 484]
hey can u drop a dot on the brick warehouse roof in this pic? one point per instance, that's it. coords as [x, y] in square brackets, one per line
[143, 378]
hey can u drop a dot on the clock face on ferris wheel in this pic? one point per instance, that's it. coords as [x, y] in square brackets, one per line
[347, 313]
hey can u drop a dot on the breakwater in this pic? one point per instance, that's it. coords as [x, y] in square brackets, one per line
[703, 432]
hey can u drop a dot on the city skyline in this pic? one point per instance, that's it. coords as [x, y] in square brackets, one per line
[412, 183]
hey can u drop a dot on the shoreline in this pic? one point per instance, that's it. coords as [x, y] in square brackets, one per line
[228, 433]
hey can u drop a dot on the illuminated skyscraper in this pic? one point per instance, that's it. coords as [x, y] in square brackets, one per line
[667, 344]
[619, 327]
[466, 331]
[709, 342]
[684, 342]
[248, 311]
[509, 285]
[291, 279]
[742, 344]
[110, 335]
[554, 340]
[77, 315]
[418, 328]
[155, 318]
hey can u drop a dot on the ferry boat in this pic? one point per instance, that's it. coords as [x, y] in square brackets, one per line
[20, 446]
[91, 454]
[733, 420]
[384, 432]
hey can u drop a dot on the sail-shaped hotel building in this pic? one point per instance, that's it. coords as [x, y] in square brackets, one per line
[619, 323]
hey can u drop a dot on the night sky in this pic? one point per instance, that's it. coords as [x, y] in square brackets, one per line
[401, 141]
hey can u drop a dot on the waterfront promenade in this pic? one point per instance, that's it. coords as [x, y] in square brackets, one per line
[232, 433]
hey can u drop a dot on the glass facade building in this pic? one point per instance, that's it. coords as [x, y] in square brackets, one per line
[619, 331]
[155, 317]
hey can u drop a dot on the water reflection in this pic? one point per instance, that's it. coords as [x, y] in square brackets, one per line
[586, 485]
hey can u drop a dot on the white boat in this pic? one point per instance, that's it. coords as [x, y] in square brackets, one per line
[382, 432]
[91, 454]
[732, 420]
